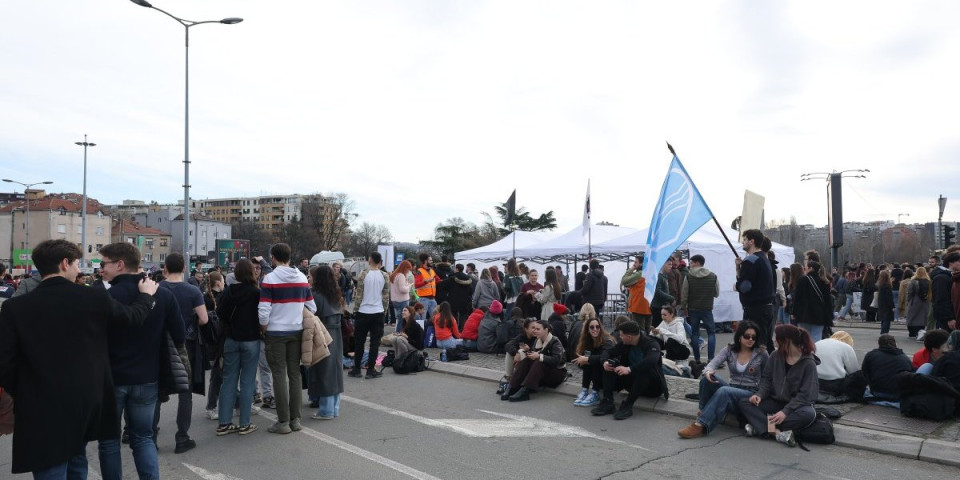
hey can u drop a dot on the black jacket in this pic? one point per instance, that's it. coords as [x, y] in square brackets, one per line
[811, 301]
[880, 367]
[559, 329]
[594, 287]
[646, 357]
[459, 292]
[60, 330]
[940, 294]
[237, 311]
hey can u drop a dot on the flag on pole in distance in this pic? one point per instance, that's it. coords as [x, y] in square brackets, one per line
[679, 213]
[511, 207]
[586, 211]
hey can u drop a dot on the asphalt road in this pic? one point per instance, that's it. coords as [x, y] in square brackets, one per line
[434, 425]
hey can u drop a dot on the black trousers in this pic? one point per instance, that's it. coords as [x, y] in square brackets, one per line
[592, 374]
[642, 383]
[363, 324]
[757, 415]
[761, 315]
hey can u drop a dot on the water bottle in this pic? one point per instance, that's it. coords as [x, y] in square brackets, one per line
[443, 355]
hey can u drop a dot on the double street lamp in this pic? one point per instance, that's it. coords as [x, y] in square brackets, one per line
[26, 227]
[83, 228]
[186, 115]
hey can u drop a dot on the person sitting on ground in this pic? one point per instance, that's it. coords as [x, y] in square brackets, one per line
[788, 388]
[591, 352]
[514, 354]
[948, 366]
[445, 326]
[881, 366]
[410, 336]
[634, 365]
[673, 334]
[745, 358]
[543, 364]
[558, 324]
[838, 360]
[933, 343]
[471, 328]
[587, 313]
[487, 331]
[933, 348]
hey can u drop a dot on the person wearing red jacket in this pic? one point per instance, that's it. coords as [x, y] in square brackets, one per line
[471, 329]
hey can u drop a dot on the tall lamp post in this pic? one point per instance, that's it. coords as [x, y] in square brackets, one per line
[26, 226]
[834, 206]
[186, 114]
[83, 233]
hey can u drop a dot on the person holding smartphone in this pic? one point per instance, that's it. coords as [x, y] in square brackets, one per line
[543, 364]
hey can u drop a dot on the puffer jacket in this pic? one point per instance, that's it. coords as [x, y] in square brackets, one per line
[314, 346]
[174, 369]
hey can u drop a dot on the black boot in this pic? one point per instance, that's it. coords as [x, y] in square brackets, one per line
[606, 407]
[522, 395]
[509, 391]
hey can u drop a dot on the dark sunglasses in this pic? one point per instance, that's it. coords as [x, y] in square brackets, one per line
[594, 327]
[749, 337]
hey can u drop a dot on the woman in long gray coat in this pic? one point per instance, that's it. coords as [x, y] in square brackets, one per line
[918, 301]
[326, 377]
[486, 292]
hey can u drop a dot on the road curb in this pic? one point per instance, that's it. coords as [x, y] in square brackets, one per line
[904, 446]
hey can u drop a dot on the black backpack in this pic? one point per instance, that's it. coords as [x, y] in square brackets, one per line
[389, 359]
[457, 354]
[820, 432]
[411, 361]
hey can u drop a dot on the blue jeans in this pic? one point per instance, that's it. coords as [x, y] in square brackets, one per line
[706, 317]
[240, 361]
[470, 345]
[708, 388]
[925, 369]
[329, 406]
[847, 306]
[815, 331]
[783, 316]
[724, 401]
[398, 311]
[429, 304]
[449, 343]
[73, 469]
[139, 401]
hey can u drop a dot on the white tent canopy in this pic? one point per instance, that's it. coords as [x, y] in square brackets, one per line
[503, 249]
[574, 242]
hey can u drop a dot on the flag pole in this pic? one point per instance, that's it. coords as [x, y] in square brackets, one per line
[722, 232]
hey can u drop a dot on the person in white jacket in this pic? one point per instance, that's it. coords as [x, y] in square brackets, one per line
[673, 333]
[837, 360]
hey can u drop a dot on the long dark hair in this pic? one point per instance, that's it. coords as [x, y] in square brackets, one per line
[795, 335]
[411, 319]
[742, 329]
[243, 272]
[586, 340]
[444, 315]
[550, 278]
[326, 285]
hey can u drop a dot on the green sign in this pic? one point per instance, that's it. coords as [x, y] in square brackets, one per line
[22, 257]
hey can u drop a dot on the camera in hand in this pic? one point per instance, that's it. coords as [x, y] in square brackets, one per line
[614, 362]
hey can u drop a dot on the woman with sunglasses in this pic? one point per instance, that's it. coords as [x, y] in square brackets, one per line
[788, 389]
[745, 358]
[592, 350]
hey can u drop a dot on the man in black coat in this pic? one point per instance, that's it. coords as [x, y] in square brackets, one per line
[881, 366]
[635, 366]
[60, 331]
[595, 287]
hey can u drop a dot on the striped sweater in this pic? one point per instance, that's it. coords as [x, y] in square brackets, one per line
[283, 295]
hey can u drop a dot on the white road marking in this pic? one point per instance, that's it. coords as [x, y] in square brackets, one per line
[208, 475]
[373, 457]
[516, 425]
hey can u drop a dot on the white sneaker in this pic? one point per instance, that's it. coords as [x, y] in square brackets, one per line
[920, 335]
[212, 415]
[787, 438]
[579, 401]
[592, 399]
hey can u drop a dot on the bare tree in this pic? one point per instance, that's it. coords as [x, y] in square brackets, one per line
[328, 217]
[366, 237]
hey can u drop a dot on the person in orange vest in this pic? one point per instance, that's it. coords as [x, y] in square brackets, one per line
[425, 281]
[637, 304]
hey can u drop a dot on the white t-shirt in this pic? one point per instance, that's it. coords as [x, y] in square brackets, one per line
[372, 301]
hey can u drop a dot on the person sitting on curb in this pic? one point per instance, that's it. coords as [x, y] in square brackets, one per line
[745, 358]
[788, 388]
[881, 366]
[933, 343]
[514, 354]
[543, 364]
[471, 328]
[838, 360]
[487, 331]
[592, 351]
[673, 333]
[634, 365]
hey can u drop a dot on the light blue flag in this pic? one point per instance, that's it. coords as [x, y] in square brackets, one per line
[679, 212]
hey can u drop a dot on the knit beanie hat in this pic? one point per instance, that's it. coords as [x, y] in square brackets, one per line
[496, 307]
[559, 309]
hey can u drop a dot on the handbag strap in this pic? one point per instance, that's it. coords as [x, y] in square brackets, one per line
[816, 288]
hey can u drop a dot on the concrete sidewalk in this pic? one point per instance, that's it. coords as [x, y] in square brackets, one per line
[864, 427]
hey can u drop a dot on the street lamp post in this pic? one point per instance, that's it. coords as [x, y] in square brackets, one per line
[834, 206]
[186, 114]
[26, 225]
[83, 228]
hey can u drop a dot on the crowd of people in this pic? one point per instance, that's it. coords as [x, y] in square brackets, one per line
[270, 329]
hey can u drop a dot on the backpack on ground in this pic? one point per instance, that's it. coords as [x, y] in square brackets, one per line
[389, 360]
[819, 432]
[411, 361]
[458, 354]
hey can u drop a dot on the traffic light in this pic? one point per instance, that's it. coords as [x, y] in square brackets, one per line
[949, 233]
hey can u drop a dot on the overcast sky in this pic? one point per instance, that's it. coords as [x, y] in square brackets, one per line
[426, 110]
